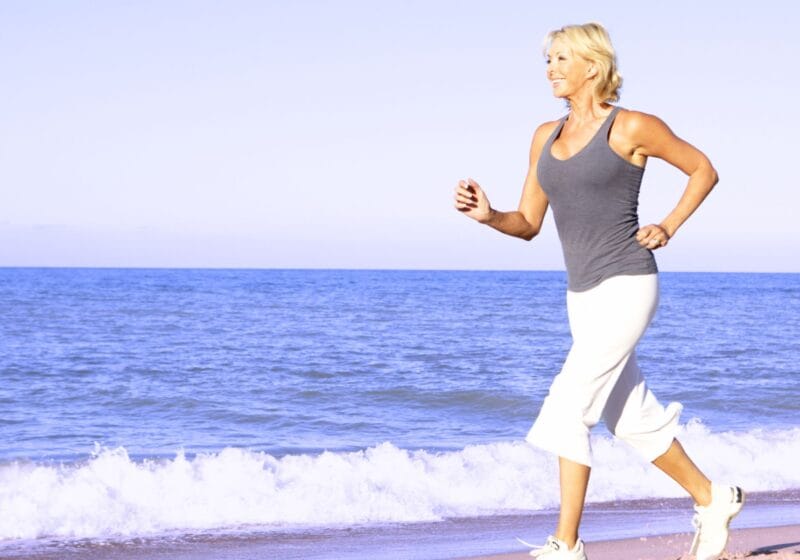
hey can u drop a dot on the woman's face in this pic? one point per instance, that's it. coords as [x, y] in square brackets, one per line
[567, 72]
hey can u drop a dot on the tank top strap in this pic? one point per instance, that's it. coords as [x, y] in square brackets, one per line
[556, 132]
[603, 132]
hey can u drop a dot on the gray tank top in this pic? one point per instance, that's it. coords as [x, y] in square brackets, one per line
[595, 196]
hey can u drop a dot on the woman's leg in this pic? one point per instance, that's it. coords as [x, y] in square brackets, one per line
[574, 478]
[677, 464]
[715, 505]
[634, 415]
[606, 322]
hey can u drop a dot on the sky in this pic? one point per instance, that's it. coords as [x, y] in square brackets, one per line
[330, 134]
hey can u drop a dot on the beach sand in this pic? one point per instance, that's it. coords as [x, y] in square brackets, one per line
[775, 543]
[769, 528]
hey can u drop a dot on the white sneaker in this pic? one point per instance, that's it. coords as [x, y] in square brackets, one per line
[555, 549]
[712, 521]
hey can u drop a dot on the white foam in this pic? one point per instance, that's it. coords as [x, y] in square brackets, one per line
[111, 495]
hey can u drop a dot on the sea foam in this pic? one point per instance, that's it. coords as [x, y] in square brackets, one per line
[109, 494]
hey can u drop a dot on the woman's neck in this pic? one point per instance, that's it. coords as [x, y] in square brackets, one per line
[584, 108]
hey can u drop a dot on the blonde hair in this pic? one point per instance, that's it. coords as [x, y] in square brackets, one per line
[591, 42]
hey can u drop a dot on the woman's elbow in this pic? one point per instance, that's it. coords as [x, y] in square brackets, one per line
[711, 174]
[530, 233]
[712, 177]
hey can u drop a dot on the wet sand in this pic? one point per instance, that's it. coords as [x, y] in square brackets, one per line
[774, 543]
[769, 527]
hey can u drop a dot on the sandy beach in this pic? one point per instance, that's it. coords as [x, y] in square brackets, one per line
[776, 543]
[634, 530]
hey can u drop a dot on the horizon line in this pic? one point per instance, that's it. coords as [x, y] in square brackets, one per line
[357, 269]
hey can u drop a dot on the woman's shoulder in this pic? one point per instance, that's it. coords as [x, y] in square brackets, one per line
[544, 130]
[637, 128]
[540, 137]
[632, 121]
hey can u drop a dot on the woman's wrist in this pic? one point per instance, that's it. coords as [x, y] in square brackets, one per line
[667, 229]
[490, 216]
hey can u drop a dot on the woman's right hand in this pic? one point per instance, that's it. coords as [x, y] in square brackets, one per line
[472, 201]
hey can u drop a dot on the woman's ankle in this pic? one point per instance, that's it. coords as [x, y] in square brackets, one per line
[702, 495]
[570, 539]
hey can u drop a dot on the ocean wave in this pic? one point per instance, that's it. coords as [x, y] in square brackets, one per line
[109, 494]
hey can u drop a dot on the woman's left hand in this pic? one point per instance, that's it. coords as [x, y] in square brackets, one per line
[652, 237]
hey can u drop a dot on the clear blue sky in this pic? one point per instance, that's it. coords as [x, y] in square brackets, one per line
[331, 134]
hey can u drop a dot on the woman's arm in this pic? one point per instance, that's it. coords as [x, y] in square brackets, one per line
[651, 137]
[526, 221]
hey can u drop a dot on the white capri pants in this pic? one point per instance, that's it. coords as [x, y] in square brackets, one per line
[600, 377]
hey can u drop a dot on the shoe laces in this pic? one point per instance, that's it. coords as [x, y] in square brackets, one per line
[697, 522]
[550, 546]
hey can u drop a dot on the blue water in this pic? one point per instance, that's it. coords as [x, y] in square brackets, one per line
[122, 385]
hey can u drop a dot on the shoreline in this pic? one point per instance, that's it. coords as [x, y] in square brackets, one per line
[770, 543]
[776, 543]
[769, 526]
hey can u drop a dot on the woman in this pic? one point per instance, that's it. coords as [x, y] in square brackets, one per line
[588, 166]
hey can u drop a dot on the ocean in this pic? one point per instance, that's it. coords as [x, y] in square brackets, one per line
[308, 411]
